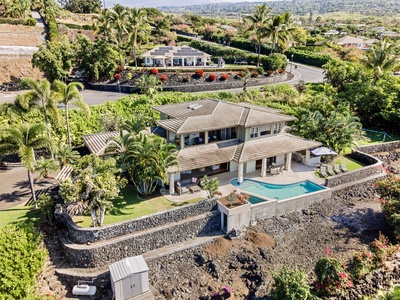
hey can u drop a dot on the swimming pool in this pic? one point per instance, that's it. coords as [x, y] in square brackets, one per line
[277, 191]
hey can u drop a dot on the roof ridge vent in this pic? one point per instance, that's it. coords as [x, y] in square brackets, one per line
[195, 106]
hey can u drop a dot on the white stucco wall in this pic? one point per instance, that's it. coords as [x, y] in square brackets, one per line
[250, 166]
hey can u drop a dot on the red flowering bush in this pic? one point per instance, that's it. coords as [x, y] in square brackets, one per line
[224, 76]
[254, 73]
[153, 71]
[199, 73]
[380, 250]
[163, 78]
[117, 76]
[212, 77]
[361, 264]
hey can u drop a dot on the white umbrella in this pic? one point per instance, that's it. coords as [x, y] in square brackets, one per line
[323, 151]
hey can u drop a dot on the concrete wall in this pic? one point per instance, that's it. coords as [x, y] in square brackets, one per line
[374, 167]
[273, 208]
[236, 216]
[80, 235]
[104, 253]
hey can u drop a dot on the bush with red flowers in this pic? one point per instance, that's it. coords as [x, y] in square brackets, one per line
[117, 76]
[224, 76]
[163, 78]
[199, 73]
[212, 77]
[119, 69]
[153, 71]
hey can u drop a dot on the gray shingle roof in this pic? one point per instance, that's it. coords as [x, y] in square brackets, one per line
[214, 114]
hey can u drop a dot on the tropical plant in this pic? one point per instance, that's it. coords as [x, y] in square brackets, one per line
[137, 18]
[42, 94]
[149, 85]
[24, 140]
[210, 185]
[82, 6]
[17, 8]
[212, 77]
[163, 78]
[66, 155]
[258, 21]
[290, 285]
[70, 94]
[102, 24]
[44, 166]
[117, 17]
[92, 187]
[381, 58]
[278, 31]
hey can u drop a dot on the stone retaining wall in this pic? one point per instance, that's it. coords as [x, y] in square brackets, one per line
[211, 86]
[374, 167]
[100, 255]
[81, 235]
[384, 147]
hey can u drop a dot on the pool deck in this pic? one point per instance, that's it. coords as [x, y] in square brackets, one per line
[299, 172]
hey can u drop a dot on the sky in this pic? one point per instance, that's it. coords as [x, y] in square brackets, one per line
[158, 3]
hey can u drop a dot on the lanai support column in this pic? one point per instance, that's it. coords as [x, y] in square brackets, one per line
[171, 183]
[240, 173]
[182, 141]
[206, 137]
[264, 167]
[307, 159]
[288, 161]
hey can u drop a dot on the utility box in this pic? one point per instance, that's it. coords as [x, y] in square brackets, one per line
[130, 279]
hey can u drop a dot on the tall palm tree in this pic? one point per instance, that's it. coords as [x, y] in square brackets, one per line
[118, 21]
[278, 31]
[136, 19]
[69, 94]
[381, 58]
[42, 94]
[103, 24]
[24, 140]
[66, 155]
[258, 21]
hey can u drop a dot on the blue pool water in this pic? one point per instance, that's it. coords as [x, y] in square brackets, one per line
[276, 191]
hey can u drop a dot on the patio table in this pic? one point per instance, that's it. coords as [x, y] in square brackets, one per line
[194, 188]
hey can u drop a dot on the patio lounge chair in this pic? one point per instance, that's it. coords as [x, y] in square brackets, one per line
[330, 170]
[344, 168]
[336, 168]
[180, 189]
[323, 171]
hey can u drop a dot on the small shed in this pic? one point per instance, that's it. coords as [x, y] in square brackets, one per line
[129, 278]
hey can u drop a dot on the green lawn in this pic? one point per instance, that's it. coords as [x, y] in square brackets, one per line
[17, 214]
[131, 206]
[351, 164]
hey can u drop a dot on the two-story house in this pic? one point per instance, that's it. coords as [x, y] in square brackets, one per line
[228, 136]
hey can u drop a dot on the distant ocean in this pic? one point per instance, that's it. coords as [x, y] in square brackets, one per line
[158, 3]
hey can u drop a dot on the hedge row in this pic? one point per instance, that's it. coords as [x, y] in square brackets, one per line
[308, 58]
[273, 62]
[28, 21]
[53, 30]
[77, 26]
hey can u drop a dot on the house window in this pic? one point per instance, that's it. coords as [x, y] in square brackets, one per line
[277, 128]
[265, 131]
[147, 60]
[253, 132]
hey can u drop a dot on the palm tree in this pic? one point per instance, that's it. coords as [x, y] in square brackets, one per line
[44, 166]
[69, 94]
[41, 94]
[24, 140]
[66, 155]
[117, 17]
[381, 58]
[149, 85]
[258, 21]
[103, 24]
[136, 19]
[278, 30]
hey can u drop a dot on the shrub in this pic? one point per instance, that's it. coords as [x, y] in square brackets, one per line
[199, 73]
[254, 73]
[331, 276]
[153, 71]
[119, 69]
[163, 78]
[129, 76]
[260, 70]
[31, 21]
[21, 258]
[117, 76]
[53, 30]
[361, 264]
[380, 250]
[212, 77]
[224, 76]
[309, 58]
[290, 285]
[187, 78]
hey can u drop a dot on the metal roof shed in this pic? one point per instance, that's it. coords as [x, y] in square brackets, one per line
[129, 277]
